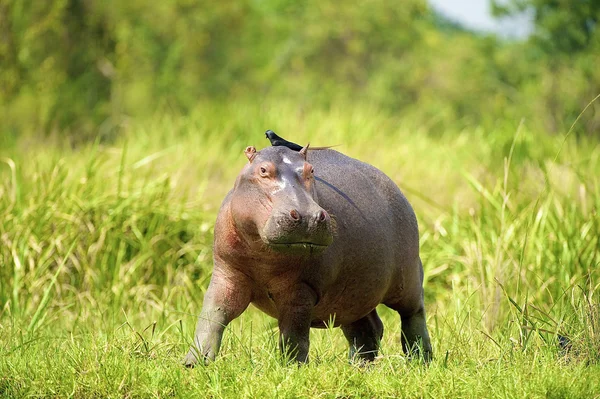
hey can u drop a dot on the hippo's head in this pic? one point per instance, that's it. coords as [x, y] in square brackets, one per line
[274, 198]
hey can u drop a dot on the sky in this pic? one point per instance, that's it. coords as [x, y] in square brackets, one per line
[476, 14]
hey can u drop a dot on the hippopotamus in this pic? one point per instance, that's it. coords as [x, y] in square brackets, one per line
[313, 238]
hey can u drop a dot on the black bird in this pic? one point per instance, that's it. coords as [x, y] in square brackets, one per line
[277, 141]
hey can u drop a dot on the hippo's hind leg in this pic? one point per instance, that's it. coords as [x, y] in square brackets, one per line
[364, 336]
[415, 337]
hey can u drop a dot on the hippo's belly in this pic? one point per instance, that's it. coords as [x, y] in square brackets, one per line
[325, 315]
[348, 298]
[351, 297]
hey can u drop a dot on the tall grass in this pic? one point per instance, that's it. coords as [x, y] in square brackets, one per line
[105, 252]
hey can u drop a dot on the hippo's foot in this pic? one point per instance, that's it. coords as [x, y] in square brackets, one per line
[415, 337]
[196, 356]
[418, 352]
[191, 359]
[364, 336]
[294, 347]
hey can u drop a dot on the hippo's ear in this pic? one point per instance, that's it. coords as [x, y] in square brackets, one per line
[304, 150]
[250, 152]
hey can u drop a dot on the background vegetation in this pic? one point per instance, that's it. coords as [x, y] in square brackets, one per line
[84, 67]
[123, 125]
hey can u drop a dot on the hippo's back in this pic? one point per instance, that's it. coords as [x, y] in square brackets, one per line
[371, 213]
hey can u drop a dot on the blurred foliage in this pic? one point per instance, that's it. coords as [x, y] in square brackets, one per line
[565, 49]
[560, 27]
[85, 67]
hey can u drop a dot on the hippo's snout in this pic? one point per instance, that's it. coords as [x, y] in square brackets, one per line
[294, 228]
[320, 216]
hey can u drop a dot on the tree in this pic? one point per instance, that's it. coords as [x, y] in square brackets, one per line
[563, 26]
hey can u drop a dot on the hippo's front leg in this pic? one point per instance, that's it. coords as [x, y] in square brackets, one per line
[295, 315]
[228, 295]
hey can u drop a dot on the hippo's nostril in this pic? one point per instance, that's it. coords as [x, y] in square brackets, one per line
[322, 216]
[294, 214]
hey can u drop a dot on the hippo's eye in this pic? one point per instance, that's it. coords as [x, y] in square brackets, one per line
[263, 171]
[307, 172]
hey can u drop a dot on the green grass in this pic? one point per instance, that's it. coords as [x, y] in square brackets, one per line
[105, 253]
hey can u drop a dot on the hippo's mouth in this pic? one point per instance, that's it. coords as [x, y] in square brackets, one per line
[297, 246]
